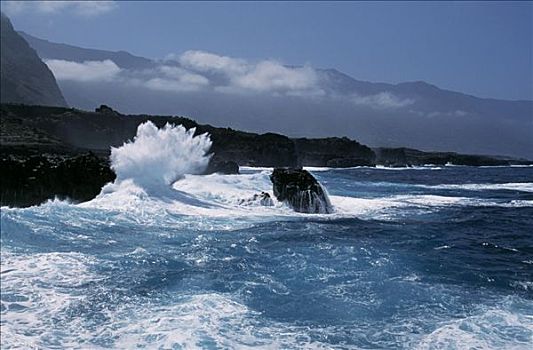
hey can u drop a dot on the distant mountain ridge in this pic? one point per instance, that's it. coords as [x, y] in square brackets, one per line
[24, 77]
[411, 114]
[51, 50]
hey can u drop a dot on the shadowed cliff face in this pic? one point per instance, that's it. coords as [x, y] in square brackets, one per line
[24, 77]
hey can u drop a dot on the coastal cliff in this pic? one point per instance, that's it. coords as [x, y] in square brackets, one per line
[49, 152]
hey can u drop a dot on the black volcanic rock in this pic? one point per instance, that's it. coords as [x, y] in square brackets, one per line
[401, 157]
[347, 162]
[24, 78]
[98, 131]
[267, 150]
[34, 179]
[300, 190]
[28, 133]
[104, 109]
[333, 152]
[221, 167]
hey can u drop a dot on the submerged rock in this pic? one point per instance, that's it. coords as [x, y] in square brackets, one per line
[300, 190]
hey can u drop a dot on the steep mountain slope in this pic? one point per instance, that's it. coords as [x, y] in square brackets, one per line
[24, 77]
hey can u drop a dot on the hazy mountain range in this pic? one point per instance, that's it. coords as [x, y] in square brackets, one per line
[294, 100]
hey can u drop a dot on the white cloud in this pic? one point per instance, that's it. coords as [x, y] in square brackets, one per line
[184, 75]
[163, 78]
[176, 79]
[382, 100]
[457, 113]
[270, 75]
[82, 8]
[87, 71]
[264, 76]
[195, 73]
[209, 62]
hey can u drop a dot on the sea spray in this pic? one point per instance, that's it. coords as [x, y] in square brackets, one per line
[156, 158]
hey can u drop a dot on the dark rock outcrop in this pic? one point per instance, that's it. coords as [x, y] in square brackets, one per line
[300, 190]
[268, 150]
[24, 78]
[333, 152]
[405, 157]
[104, 109]
[29, 132]
[218, 166]
[33, 179]
[105, 128]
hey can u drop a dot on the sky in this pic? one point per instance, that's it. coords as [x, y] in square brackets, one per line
[479, 48]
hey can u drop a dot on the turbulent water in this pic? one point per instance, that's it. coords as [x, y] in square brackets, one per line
[429, 258]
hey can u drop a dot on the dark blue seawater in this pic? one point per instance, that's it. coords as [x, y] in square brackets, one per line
[429, 258]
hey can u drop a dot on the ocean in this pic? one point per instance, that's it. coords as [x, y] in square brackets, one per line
[416, 258]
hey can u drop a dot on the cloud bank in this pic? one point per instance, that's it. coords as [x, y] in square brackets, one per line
[193, 70]
[382, 100]
[208, 62]
[264, 76]
[86, 71]
[204, 71]
[176, 79]
[81, 8]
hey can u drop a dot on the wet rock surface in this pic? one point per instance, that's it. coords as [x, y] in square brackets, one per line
[300, 190]
[218, 166]
[33, 179]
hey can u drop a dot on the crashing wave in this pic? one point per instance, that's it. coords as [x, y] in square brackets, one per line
[159, 157]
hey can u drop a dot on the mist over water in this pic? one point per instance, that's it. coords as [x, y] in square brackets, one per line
[427, 258]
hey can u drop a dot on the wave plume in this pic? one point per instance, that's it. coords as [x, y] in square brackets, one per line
[158, 157]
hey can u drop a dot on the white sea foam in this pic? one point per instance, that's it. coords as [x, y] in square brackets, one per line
[41, 294]
[318, 169]
[393, 206]
[511, 186]
[508, 166]
[35, 288]
[208, 319]
[417, 167]
[496, 328]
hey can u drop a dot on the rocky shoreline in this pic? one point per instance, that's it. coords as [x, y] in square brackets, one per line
[49, 152]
